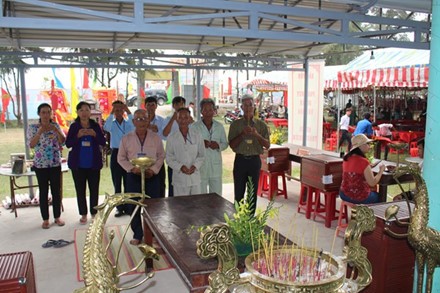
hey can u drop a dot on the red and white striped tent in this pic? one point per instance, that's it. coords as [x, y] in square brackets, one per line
[390, 68]
[269, 82]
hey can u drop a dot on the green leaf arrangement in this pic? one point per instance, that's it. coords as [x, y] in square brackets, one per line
[245, 227]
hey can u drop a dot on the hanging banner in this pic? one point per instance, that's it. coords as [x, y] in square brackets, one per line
[315, 105]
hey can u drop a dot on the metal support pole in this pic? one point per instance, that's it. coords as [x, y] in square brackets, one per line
[199, 94]
[306, 100]
[21, 72]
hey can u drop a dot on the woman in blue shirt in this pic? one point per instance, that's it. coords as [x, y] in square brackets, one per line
[85, 138]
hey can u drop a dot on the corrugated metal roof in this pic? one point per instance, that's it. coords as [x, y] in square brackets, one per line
[268, 28]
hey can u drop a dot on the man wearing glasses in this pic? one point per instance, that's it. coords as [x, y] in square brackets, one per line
[185, 155]
[142, 142]
[247, 138]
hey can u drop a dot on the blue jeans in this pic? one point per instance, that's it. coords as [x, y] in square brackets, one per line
[373, 197]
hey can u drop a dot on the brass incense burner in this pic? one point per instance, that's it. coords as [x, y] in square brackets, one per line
[143, 163]
[291, 268]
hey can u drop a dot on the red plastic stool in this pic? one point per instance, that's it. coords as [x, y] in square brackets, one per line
[307, 199]
[268, 184]
[330, 144]
[326, 210]
[343, 214]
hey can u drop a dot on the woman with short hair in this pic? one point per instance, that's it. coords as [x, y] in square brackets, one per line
[85, 138]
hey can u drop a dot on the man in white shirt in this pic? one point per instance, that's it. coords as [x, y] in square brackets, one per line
[345, 134]
[383, 130]
[185, 154]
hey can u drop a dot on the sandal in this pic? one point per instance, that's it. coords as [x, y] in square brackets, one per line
[61, 243]
[135, 241]
[60, 222]
[49, 243]
[45, 225]
[83, 220]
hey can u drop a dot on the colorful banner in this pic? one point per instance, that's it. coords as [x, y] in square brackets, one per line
[74, 98]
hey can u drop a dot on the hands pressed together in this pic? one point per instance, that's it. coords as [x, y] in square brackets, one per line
[148, 172]
[211, 144]
[188, 171]
[86, 131]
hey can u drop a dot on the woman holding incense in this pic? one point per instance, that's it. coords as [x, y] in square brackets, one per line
[46, 138]
[85, 138]
[357, 177]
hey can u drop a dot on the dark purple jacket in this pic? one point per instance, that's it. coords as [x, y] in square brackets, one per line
[73, 142]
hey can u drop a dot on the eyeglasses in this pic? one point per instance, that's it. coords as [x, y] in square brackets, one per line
[141, 119]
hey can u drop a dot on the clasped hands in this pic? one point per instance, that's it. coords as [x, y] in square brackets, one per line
[86, 131]
[46, 128]
[188, 171]
[148, 172]
[211, 144]
[249, 130]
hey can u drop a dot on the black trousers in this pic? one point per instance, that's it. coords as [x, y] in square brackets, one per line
[170, 182]
[162, 176]
[379, 147]
[345, 136]
[246, 167]
[151, 189]
[119, 175]
[52, 176]
[82, 177]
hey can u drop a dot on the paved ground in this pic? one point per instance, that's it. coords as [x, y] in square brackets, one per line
[55, 268]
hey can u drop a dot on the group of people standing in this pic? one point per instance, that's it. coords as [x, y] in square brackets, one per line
[192, 153]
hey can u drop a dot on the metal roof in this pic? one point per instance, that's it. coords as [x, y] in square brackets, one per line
[261, 28]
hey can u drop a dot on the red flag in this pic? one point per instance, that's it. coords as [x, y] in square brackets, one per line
[142, 94]
[206, 92]
[5, 103]
[229, 86]
[86, 79]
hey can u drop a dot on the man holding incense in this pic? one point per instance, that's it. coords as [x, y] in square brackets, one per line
[248, 137]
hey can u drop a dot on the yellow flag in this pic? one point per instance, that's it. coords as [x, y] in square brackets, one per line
[74, 98]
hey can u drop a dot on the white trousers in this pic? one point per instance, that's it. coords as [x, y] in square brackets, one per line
[211, 185]
[186, 190]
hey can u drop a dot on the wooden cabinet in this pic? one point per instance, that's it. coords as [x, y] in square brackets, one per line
[322, 172]
[17, 273]
[275, 159]
[392, 259]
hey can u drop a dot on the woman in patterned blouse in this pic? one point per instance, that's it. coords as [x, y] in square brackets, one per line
[46, 138]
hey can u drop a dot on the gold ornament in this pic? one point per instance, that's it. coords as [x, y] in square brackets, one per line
[215, 242]
[424, 240]
[100, 275]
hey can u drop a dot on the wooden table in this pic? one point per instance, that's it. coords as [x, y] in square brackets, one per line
[174, 221]
[297, 152]
[4, 171]
[388, 179]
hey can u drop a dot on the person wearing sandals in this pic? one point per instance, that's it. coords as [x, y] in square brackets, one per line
[142, 142]
[46, 138]
[85, 138]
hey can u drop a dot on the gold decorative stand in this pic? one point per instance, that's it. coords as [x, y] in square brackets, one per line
[100, 274]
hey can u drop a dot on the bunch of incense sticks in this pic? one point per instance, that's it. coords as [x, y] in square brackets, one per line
[294, 266]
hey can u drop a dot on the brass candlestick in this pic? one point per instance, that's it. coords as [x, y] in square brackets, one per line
[143, 163]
